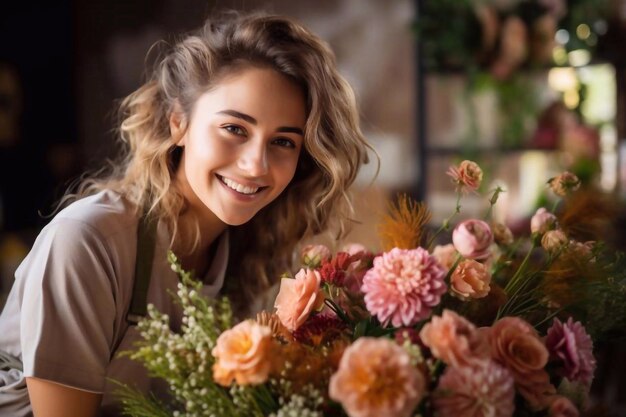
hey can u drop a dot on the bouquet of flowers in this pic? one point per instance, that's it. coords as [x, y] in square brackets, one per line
[482, 326]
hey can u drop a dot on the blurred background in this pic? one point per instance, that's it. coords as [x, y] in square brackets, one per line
[527, 88]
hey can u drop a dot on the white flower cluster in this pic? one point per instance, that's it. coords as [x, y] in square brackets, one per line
[184, 360]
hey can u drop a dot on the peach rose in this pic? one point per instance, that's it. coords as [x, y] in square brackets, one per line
[516, 345]
[445, 255]
[375, 378]
[313, 255]
[454, 340]
[243, 354]
[298, 297]
[470, 279]
[542, 221]
[472, 239]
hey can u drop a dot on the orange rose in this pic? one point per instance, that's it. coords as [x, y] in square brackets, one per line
[243, 354]
[470, 279]
[298, 297]
[516, 345]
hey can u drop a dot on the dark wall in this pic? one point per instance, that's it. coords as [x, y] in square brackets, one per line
[37, 97]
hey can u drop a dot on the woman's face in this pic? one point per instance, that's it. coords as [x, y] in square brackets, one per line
[242, 144]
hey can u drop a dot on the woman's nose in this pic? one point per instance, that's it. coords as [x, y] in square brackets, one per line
[253, 159]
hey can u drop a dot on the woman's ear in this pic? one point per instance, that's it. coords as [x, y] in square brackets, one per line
[178, 125]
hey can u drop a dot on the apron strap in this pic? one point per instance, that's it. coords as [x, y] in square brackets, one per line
[146, 239]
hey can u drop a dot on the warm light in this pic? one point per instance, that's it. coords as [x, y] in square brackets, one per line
[583, 31]
[561, 36]
[559, 54]
[579, 57]
[563, 79]
[571, 99]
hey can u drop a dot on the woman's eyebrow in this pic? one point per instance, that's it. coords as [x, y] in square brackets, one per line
[252, 120]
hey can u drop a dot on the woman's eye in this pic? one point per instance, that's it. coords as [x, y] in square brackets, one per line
[235, 130]
[288, 143]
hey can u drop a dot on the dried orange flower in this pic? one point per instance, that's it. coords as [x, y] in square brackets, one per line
[403, 226]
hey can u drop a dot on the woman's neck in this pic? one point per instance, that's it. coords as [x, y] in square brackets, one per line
[210, 228]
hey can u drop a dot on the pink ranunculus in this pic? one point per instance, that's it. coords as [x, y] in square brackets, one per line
[445, 255]
[298, 298]
[571, 346]
[562, 407]
[542, 221]
[455, 340]
[243, 354]
[472, 239]
[313, 255]
[375, 378]
[470, 279]
[516, 345]
[467, 176]
[403, 286]
[484, 389]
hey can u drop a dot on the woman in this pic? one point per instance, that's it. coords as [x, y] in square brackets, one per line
[243, 141]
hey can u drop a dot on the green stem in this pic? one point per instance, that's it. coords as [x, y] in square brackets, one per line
[513, 281]
[555, 205]
[548, 317]
[446, 223]
[492, 202]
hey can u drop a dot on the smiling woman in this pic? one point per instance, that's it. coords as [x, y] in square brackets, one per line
[238, 161]
[243, 140]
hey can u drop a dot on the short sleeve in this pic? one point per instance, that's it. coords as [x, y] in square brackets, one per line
[68, 306]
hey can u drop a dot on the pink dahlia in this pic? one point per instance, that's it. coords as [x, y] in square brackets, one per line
[570, 344]
[484, 389]
[403, 286]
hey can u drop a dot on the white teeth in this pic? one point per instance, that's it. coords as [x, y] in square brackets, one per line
[239, 187]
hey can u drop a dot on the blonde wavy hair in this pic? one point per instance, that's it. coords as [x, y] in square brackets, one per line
[334, 148]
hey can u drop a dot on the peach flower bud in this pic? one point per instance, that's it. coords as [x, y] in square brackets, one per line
[354, 248]
[564, 183]
[445, 255]
[542, 221]
[314, 255]
[562, 407]
[584, 250]
[553, 240]
[243, 354]
[298, 298]
[472, 239]
[470, 279]
[502, 234]
[467, 176]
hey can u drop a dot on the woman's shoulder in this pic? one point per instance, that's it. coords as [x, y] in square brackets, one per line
[106, 212]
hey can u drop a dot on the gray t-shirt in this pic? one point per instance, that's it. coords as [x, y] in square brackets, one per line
[65, 316]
